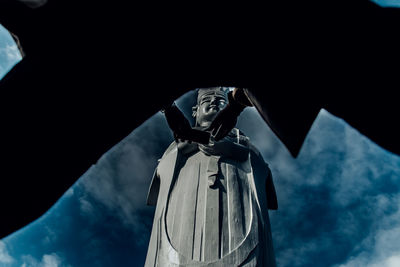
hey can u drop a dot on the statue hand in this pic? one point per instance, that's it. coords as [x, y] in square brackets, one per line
[222, 124]
[181, 127]
[226, 119]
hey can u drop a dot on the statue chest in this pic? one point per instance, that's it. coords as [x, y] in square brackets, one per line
[209, 207]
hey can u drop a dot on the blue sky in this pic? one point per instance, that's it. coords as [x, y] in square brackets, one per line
[387, 3]
[9, 53]
[338, 201]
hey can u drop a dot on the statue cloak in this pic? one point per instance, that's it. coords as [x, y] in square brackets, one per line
[212, 206]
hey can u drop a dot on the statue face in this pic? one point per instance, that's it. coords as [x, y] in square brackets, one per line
[209, 106]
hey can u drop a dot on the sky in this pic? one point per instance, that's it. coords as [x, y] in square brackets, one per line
[387, 3]
[9, 53]
[338, 200]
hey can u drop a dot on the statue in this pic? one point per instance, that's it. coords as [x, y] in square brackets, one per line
[211, 199]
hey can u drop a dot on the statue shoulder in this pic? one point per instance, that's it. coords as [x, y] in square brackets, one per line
[169, 149]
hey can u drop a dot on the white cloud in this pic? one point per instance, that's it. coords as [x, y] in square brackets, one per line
[86, 207]
[51, 260]
[48, 260]
[69, 193]
[393, 261]
[50, 237]
[29, 261]
[4, 255]
[363, 261]
[383, 245]
[12, 53]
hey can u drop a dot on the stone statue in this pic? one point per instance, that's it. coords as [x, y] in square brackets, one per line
[211, 199]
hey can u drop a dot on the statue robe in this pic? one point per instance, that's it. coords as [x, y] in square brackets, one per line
[212, 206]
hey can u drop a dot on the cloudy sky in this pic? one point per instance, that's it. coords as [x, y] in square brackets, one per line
[387, 3]
[9, 53]
[338, 201]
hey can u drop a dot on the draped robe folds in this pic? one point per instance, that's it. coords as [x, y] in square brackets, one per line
[212, 206]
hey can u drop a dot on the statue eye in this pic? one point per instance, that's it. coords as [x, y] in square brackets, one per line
[205, 100]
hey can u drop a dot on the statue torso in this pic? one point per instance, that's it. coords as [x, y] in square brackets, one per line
[208, 213]
[208, 210]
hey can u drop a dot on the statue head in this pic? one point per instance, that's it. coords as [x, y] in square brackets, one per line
[209, 102]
